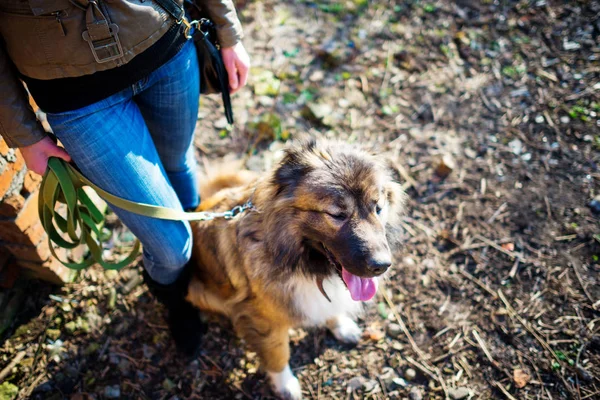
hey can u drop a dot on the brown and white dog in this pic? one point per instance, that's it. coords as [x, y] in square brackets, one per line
[308, 254]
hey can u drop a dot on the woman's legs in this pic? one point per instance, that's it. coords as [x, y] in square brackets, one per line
[138, 144]
[110, 143]
[169, 105]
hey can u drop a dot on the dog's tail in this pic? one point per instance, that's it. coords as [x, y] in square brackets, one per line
[224, 176]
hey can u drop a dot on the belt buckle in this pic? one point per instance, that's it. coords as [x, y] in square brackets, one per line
[107, 49]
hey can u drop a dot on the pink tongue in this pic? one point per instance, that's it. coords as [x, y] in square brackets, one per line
[361, 289]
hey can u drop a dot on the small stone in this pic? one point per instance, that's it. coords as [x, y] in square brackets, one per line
[595, 205]
[53, 333]
[399, 382]
[221, 123]
[394, 330]
[356, 383]
[564, 119]
[408, 261]
[410, 374]
[539, 119]
[568, 46]
[516, 146]
[387, 376]
[415, 394]
[526, 157]
[428, 263]
[469, 152]
[370, 385]
[112, 392]
[459, 393]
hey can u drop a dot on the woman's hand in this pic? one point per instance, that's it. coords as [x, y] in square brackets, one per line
[36, 155]
[237, 63]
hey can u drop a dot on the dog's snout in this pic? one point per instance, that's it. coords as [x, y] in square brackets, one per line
[379, 264]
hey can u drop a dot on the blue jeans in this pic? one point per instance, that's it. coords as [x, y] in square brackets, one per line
[138, 144]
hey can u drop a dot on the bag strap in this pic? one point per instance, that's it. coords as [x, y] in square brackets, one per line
[173, 8]
[178, 12]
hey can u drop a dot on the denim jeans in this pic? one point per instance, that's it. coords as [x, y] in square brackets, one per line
[138, 144]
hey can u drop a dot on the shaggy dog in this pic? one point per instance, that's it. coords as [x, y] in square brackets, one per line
[308, 253]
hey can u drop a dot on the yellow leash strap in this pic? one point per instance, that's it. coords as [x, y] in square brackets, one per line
[83, 223]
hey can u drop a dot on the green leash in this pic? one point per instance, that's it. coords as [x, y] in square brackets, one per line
[83, 223]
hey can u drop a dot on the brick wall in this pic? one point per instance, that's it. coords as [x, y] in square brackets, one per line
[23, 242]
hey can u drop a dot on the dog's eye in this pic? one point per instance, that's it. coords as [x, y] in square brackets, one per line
[378, 209]
[338, 216]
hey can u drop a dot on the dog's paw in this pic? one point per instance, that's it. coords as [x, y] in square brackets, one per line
[285, 384]
[345, 330]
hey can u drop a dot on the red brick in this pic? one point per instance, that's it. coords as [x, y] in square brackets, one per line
[11, 206]
[51, 271]
[7, 176]
[3, 147]
[10, 233]
[22, 252]
[36, 233]
[29, 214]
[31, 183]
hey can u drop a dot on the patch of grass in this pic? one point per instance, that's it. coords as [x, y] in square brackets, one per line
[514, 72]
[308, 94]
[332, 8]
[429, 8]
[579, 112]
[290, 98]
[390, 110]
[445, 49]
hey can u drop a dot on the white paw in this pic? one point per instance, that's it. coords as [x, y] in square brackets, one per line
[285, 384]
[346, 330]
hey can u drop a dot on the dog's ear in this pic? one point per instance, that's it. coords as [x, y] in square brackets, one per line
[397, 203]
[396, 199]
[294, 166]
[283, 238]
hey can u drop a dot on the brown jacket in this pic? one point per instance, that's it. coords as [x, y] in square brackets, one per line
[50, 39]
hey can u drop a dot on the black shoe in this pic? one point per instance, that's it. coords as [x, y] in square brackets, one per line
[184, 320]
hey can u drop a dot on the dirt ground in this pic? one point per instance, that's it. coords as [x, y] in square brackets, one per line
[490, 113]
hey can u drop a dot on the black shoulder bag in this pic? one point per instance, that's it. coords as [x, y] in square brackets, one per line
[213, 75]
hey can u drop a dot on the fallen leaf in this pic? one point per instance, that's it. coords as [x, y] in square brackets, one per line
[375, 334]
[521, 378]
[508, 246]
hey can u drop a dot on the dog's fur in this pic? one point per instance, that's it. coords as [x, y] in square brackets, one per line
[325, 205]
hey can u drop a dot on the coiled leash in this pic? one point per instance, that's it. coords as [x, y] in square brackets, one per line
[84, 222]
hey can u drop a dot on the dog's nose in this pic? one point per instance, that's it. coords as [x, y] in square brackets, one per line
[379, 264]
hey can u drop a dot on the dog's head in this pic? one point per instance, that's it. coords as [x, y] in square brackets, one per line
[334, 210]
